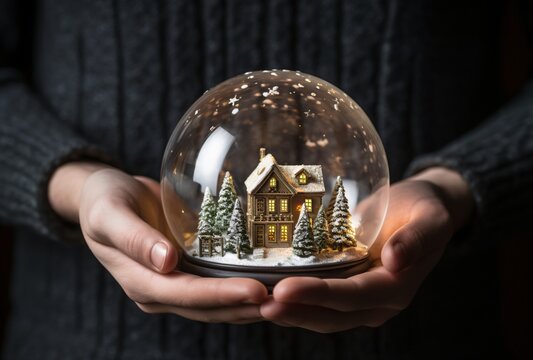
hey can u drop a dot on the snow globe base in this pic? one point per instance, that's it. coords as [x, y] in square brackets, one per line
[271, 275]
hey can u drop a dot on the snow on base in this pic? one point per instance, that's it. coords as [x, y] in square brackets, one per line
[282, 257]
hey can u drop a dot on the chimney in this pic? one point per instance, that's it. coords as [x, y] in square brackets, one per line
[262, 153]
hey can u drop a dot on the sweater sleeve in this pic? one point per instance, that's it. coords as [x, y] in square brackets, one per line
[33, 142]
[496, 160]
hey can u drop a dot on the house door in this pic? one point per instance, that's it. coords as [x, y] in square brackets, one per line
[260, 235]
[272, 235]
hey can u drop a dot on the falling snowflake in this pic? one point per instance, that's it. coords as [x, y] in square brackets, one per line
[322, 142]
[271, 91]
[235, 111]
[308, 113]
[336, 105]
[234, 100]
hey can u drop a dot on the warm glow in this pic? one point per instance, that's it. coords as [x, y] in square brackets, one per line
[273, 183]
[284, 233]
[272, 233]
[284, 205]
[271, 205]
[302, 179]
[309, 205]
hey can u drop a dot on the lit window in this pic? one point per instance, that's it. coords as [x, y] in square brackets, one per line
[309, 205]
[302, 179]
[271, 205]
[284, 233]
[273, 183]
[272, 233]
[284, 205]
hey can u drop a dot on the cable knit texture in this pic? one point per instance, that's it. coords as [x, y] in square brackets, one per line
[108, 79]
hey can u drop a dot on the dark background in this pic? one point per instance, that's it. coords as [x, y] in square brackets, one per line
[515, 275]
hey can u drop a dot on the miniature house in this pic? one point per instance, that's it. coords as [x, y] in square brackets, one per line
[275, 196]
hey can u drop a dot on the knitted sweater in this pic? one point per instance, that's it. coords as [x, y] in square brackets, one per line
[108, 80]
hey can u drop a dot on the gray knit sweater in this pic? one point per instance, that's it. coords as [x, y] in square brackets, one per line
[108, 79]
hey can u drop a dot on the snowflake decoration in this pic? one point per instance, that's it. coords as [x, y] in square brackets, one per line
[336, 105]
[234, 100]
[308, 113]
[271, 91]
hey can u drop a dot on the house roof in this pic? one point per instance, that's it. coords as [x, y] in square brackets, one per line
[315, 181]
[264, 168]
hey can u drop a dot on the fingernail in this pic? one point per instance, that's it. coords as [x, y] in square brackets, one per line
[159, 255]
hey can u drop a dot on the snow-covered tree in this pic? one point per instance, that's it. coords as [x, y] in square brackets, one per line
[208, 212]
[331, 204]
[342, 232]
[226, 202]
[237, 240]
[302, 240]
[320, 230]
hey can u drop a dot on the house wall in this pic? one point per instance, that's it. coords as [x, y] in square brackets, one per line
[260, 218]
[299, 199]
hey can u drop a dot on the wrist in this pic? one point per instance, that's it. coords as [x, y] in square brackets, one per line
[65, 186]
[455, 192]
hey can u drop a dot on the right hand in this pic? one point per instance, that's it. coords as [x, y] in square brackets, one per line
[123, 224]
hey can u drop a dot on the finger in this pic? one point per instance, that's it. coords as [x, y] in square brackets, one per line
[427, 231]
[182, 289]
[244, 314]
[119, 226]
[185, 290]
[323, 320]
[153, 186]
[377, 288]
[374, 289]
[177, 288]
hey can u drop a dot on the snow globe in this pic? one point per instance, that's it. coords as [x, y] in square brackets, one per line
[273, 174]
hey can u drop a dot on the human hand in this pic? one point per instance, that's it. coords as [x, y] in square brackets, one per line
[424, 212]
[124, 226]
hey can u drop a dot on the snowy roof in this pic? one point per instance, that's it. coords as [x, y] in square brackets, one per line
[260, 172]
[315, 182]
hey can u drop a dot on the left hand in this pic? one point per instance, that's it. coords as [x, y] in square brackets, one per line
[424, 212]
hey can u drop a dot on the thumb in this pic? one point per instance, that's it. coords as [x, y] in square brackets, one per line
[120, 227]
[426, 231]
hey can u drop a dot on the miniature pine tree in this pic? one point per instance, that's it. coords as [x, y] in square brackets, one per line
[226, 202]
[320, 230]
[342, 233]
[208, 212]
[302, 241]
[237, 239]
[331, 204]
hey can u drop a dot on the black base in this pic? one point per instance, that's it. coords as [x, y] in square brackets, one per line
[270, 275]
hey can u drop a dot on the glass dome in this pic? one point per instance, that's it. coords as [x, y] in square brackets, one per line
[274, 170]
